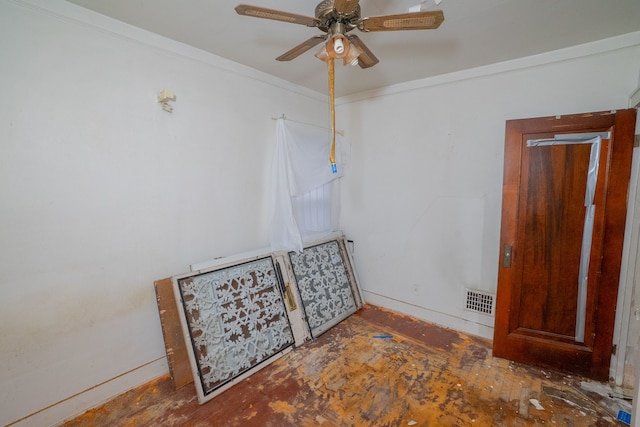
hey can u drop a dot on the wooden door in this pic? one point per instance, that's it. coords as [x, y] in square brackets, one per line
[563, 216]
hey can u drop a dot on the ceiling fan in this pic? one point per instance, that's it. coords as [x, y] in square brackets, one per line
[336, 18]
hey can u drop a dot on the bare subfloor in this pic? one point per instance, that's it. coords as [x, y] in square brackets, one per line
[423, 376]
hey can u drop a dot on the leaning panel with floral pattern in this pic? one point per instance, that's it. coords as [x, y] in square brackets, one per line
[324, 285]
[236, 319]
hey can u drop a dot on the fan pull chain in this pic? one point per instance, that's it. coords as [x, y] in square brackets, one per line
[332, 154]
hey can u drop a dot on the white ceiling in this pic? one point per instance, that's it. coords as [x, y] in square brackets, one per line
[474, 33]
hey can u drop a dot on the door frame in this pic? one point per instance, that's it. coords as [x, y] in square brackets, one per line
[630, 261]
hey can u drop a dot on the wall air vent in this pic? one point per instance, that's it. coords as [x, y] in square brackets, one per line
[480, 301]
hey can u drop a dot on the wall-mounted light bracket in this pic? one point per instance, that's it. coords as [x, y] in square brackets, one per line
[163, 99]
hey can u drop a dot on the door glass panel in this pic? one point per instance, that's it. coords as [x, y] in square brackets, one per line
[594, 140]
[236, 319]
[324, 285]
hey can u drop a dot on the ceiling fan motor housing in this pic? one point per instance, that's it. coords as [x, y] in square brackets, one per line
[329, 16]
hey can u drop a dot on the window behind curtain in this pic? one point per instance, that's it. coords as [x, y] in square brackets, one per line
[305, 194]
[313, 210]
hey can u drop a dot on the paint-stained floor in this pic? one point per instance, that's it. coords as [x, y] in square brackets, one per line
[377, 368]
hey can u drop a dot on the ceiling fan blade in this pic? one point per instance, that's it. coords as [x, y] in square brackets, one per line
[345, 7]
[428, 20]
[277, 15]
[301, 48]
[367, 58]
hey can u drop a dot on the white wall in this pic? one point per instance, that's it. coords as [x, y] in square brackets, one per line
[423, 198]
[102, 192]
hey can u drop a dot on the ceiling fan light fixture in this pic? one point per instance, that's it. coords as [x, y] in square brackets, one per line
[336, 47]
[352, 57]
[322, 54]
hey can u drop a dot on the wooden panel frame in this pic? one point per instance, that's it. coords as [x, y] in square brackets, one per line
[177, 356]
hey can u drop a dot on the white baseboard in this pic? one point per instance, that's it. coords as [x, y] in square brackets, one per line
[77, 404]
[422, 313]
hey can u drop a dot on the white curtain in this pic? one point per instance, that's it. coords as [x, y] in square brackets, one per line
[302, 198]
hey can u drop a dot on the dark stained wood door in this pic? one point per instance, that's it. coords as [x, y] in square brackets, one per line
[563, 216]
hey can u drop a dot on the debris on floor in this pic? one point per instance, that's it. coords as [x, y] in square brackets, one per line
[624, 416]
[425, 376]
[536, 404]
[614, 401]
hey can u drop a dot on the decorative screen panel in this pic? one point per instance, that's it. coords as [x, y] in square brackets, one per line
[324, 285]
[236, 319]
